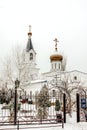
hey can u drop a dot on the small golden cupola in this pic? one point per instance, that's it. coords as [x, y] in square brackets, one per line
[56, 59]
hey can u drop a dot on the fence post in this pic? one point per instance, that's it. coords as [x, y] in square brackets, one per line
[64, 107]
[78, 107]
[15, 106]
[18, 125]
[62, 124]
[17, 82]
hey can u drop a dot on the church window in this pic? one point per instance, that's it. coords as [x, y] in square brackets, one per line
[54, 93]
[59, 66]
[55, 65]
[31, 56]
[30, 94]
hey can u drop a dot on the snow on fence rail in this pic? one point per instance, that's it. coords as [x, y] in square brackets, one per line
[24, 127]
[36, 124]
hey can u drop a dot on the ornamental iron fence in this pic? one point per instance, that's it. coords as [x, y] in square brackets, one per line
[39, 108]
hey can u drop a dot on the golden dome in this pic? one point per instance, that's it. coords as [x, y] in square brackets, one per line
[56, 57]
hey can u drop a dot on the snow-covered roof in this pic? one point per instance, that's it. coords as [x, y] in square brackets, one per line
[38, 81]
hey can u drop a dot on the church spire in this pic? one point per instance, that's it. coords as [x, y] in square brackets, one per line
[29, 43]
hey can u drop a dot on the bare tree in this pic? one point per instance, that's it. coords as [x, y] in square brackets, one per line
[7, 75]
[13, 66]
[18, 62]
[69, 87]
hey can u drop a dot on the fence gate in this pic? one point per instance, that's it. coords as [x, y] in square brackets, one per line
[81, 106]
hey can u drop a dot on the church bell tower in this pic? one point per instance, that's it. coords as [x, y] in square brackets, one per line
[29, 57]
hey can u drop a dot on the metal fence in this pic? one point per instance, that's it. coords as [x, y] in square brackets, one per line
[30, 109]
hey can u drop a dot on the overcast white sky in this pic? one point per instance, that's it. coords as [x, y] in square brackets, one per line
[63, 19]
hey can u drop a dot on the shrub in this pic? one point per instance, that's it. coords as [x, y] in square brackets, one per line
[57, 105]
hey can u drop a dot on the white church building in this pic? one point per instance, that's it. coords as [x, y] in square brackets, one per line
[55, 78]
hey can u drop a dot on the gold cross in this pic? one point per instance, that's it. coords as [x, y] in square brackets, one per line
[56, 40]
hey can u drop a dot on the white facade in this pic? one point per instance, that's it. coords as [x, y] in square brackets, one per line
[56, 65]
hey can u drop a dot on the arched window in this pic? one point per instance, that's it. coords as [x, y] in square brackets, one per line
[31, 56]
[55, 65]
[54, 93]
[59, 66]
[30, 94]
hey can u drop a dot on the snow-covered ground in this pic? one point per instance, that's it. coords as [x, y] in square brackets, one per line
[69, 125]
